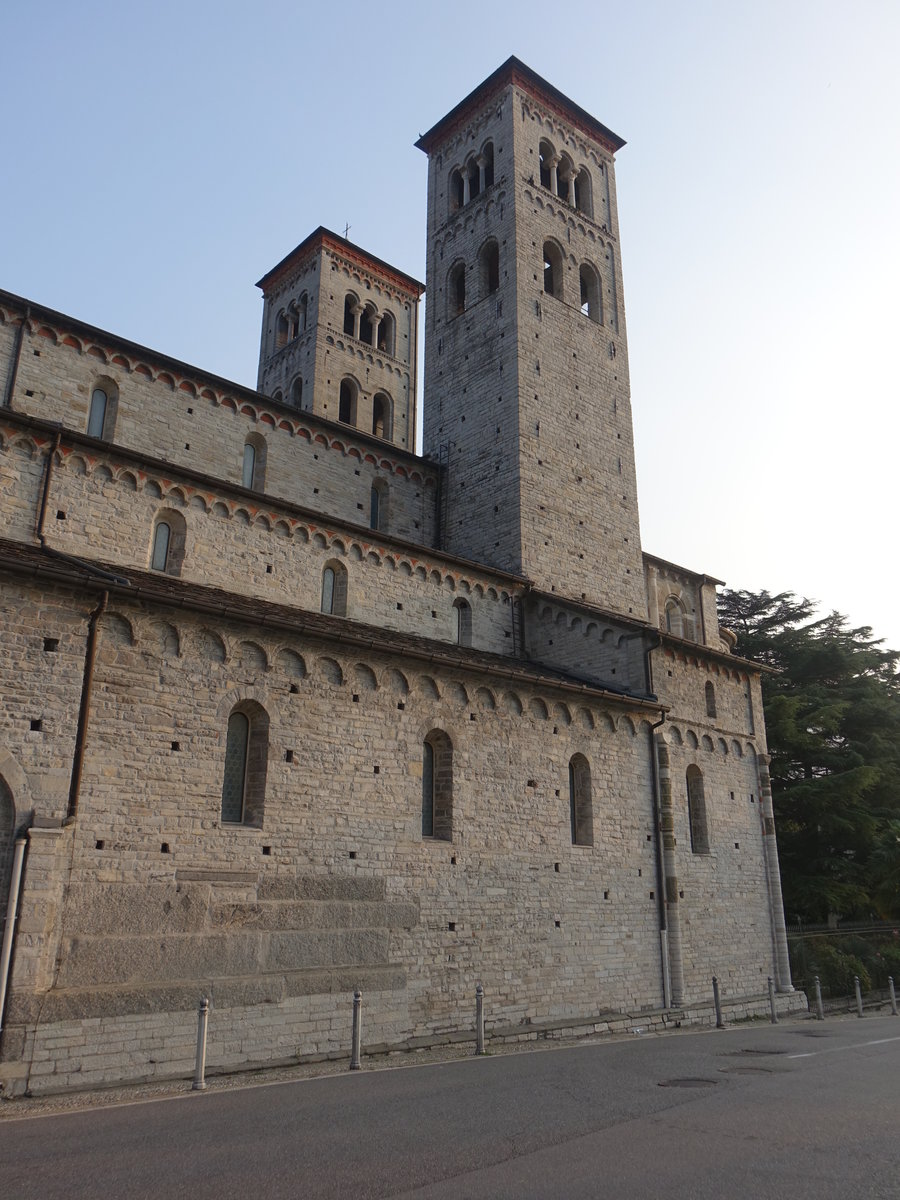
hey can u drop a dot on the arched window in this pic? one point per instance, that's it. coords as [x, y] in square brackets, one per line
[365, 326]
[334, 589]
[457, 190]
[303, 311]
[675, 617]
[697, 811]
[347, 401]
[281, 330]
[278, 396]
[548, 164]
[581, 809]
[456, 291]
[297, 392]
[553, 270]
[487, 164]
[565, 179]
[246, 764]
[710, 699]
[463, 622]
[293, 321]
[489, 259]
[7, 836]
[167, 542]
[378, 505]
[253, 466]
[584, 194]
[102, 415]
[350, 307]
[387, 332]
[437, 786]
[473, 170]
[591, 304]
[382, 415]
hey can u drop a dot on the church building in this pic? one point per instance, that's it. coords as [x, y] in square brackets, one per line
[290, 710]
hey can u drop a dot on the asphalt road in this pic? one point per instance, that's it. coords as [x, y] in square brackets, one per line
[799, 1110]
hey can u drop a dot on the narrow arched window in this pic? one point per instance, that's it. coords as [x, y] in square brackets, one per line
[349, 315]
[487, 164]
[697, 811]
[246, 764]
[303, 311]
[547, 156]
[162, 535]
[457, 291]
[437, 786]
[552, 270]
[584, 198]
[334, 589]
[281, 330]
[674, 617]
[456, 190]
[581, 813]
[365, 326]
[490, 267]
[249, 465]
[378, 504]
[297, 392]
[7, 835]
[386, 333]
[710, 699]
[463, 622]
[293, 322]
[97, 417]
[347, 402]
[590, 293]
[382, 415]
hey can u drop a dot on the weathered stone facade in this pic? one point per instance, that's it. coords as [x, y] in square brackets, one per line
[289, 710]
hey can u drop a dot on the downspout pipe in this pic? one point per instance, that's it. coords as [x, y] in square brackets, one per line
[12, 912]
[14, 370]
[87, 684]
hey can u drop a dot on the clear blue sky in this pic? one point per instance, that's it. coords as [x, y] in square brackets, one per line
[157, 159]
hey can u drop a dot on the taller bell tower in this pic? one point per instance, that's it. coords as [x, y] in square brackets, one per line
[526, 363]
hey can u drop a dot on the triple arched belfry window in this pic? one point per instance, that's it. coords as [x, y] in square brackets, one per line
[561, 176]
[472, 177]
[292, 321]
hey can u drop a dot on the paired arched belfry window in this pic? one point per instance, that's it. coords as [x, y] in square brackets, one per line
[560, 176]
[253, 464]
[167, 542]
[475, 176]
[437, 786]
[581, 809]
[463, 622]
[697, 811]
[246, 763]
[334, 589]
[102, 415]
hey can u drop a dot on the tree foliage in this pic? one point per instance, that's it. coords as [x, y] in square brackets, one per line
[833, 727]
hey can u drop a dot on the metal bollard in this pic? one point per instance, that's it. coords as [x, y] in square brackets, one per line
[199, 1084]
[859, 1010]
[774, 1014]
[893, 995]
[720, 1024]
[357, 1030]
[479, 1019]
[820, 1008]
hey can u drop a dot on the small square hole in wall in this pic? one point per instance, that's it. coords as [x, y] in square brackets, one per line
[29, 392]
[653, 895]
[51, 645]
[355, 699]
[60, 515]
[649, 837]
[289, 756]
[557, 791]
[401, 705]
[681, 895]
[639, 872]
[556, 729]
[190, 412]
[472, 717]
[399, 606]
[752, 798]
[433, 613]
[37, 725]
[36, 353]
[376, 770]
[557, 924]
[99, 844]
[267, 850]
[451, 925]
[187, 445]
[669, 672]
[268, 568]
[352, 854]
[453, 860]
[532, 783]
[176, 745]
[556, 867]
[293, 689]
[359, 506]
[164, 848]
[732, 795]
[606, 895]
[356, 472]
[737, 845]
[315, 491]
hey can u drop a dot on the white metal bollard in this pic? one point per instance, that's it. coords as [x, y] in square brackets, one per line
[199, 1084]
[893, 995]
[820, 1008]
[859, 1008]
[774, 1014]
[357, 1030]
[479, 1019]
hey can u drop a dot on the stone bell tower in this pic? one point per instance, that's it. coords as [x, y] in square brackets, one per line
[526, 361]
